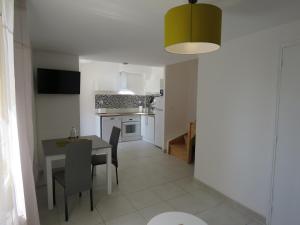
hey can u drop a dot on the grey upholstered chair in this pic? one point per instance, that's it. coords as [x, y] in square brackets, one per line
[76, 177]
[101, 159]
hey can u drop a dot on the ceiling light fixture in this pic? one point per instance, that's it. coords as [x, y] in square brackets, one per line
[193, 28]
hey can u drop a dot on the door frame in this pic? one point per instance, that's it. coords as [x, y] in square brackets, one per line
[275, 139]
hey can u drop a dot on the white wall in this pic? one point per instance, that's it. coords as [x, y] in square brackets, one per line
[236, 115]
[95, 76]
[55, 113]
[99, 76]
[180, 98]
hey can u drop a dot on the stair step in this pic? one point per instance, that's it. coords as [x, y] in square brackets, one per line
[179, 146]
[179, 150]
[185, 138]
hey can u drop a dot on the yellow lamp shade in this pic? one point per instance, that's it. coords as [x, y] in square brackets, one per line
[193, 29]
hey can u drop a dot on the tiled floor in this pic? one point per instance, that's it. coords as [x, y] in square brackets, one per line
[150, 183]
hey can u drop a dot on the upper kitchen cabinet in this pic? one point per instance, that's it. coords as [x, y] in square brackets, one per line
[154, 80]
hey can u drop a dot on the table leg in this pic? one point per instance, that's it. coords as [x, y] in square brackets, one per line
[108, 171]
[49, 182]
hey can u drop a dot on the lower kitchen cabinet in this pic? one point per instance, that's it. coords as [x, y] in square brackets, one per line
[147, 128]
[107, 124]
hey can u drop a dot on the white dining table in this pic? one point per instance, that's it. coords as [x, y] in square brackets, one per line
[53, 151]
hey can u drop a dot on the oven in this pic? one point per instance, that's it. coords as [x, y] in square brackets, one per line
[131, 128]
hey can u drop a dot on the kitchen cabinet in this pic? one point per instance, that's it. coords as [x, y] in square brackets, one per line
[107, 123]
[147, 128]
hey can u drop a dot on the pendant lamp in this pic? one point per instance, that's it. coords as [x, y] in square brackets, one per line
[193, 28]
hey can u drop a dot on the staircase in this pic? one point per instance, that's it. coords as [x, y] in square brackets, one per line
[180, 147]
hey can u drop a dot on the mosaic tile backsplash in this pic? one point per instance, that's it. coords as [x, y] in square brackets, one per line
[121, 101]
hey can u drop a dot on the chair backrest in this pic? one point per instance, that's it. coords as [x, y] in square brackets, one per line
[78, 166]
[113, 141]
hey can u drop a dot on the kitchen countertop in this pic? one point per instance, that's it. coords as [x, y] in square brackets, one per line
[125, 114]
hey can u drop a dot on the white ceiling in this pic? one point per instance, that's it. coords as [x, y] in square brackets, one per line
[132, 30]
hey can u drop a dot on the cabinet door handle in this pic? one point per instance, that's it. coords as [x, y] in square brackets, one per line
[112, 118]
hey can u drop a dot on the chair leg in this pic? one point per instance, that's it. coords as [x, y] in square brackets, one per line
[93, 169]
[117, 175]
[91, 199]
[66, 207]
[53, 191]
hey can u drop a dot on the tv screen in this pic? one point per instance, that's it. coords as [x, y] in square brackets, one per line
[58, 81]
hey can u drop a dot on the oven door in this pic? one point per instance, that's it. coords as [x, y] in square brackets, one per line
[131, 129]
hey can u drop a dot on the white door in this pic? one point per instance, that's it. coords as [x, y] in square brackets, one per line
[159, 128]
[147, 128]
[150, 129]
[143, 126]
[286, 193]
[107, 124]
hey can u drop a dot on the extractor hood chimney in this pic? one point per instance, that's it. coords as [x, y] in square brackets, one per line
[123, 85]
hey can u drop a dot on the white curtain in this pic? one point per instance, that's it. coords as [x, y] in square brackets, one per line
[24, 101]
[12, 196]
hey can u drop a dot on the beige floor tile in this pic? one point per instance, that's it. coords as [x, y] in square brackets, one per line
[224, 215]
[114, 207]
[78, 218]
[189, 184]
[168, 191]
[206, 200]
[255, 223]
[185, 203]
[150, 183]
[143, 199]
[149, 212]
[80, 212]
[49, 217]
[129, 219]
[134, 184]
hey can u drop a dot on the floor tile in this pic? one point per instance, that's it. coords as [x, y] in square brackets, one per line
[254, 223]
[185, 203]
[134, 184]
[168, 191]
[79, 218]
[114, 207]
[80, 212]
[224, 215]
[149, 212]
[129, 219]
[49, 217]
[150, 183]
[206, 200]
[143, 199]
[188, 184]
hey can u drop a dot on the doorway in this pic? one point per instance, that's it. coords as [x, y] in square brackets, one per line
[286, 183]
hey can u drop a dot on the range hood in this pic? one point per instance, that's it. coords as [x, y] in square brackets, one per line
[125, 83]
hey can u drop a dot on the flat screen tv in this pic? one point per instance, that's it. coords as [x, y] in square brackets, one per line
[58, 81]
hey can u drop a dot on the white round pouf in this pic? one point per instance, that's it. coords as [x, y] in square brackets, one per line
[176, 218]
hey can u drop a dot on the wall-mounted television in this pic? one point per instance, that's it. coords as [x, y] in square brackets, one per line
[51, 81]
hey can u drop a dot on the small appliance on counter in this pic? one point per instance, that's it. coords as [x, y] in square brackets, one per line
[140, 109]
[151, 104]
[74, 133]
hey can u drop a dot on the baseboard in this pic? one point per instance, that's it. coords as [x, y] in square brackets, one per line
[243, 209]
